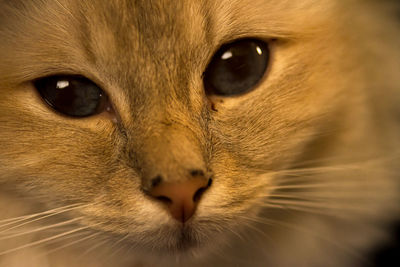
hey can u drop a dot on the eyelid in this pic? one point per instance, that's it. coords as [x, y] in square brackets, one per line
[270, 41]
[67, 73]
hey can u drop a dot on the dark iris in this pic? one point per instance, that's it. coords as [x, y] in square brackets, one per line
[74, 96]
[236, 67]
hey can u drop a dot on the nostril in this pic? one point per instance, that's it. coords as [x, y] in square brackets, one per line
[181, 198]
[196, 173]
[156, 181]
[164, 199]
[198, 194]
[200, 191]
[209, 182]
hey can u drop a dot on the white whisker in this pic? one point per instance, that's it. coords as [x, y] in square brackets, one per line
[92, 248]
[314, 211]
[42, 241]
[69, 244]
[51, 212]
[116, 244]
[319, 205]
[41, 228]
[272, 222]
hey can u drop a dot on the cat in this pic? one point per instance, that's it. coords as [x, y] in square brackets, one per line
[198, 133]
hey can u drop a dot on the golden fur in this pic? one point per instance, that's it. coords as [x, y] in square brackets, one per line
[305, 166]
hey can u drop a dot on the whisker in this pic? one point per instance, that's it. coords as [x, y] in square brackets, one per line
[299, 196]
[272, 222]
[41, 228]
[360, 165]
[240, 236]
[116, 244]
[69, 244]
[343, 186]
[307, 186]
[329, 196]
[320, 205]
[95, 246]
[65, 238]
[51, 212]
[255, 229]
[314, 211]
[42, 241]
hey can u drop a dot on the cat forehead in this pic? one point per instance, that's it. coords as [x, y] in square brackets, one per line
[135, 22]
[131, 37]
[219, 20]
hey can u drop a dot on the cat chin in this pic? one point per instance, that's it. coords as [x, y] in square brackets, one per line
[177, 241]
[181, 241]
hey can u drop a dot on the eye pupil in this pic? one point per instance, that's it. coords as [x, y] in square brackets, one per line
[74, 96]
[236, 67]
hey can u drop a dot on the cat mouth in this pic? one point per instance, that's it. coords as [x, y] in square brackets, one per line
[183, 241]
[191, 237]
[186, 240]
[178, 241]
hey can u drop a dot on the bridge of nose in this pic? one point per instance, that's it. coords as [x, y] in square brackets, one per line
[172, 155]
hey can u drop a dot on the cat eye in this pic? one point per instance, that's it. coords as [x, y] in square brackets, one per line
[71, 95]
[236, 67]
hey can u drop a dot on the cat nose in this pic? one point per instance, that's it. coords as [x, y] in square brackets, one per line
[181, 198]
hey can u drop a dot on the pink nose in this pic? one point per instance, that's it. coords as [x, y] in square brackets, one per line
[181, 198]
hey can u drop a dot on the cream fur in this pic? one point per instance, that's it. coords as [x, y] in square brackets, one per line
[305, 166]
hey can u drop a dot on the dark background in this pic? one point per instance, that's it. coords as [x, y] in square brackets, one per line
[388, 255]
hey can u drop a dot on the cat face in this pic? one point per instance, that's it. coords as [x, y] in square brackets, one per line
[159, 120]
